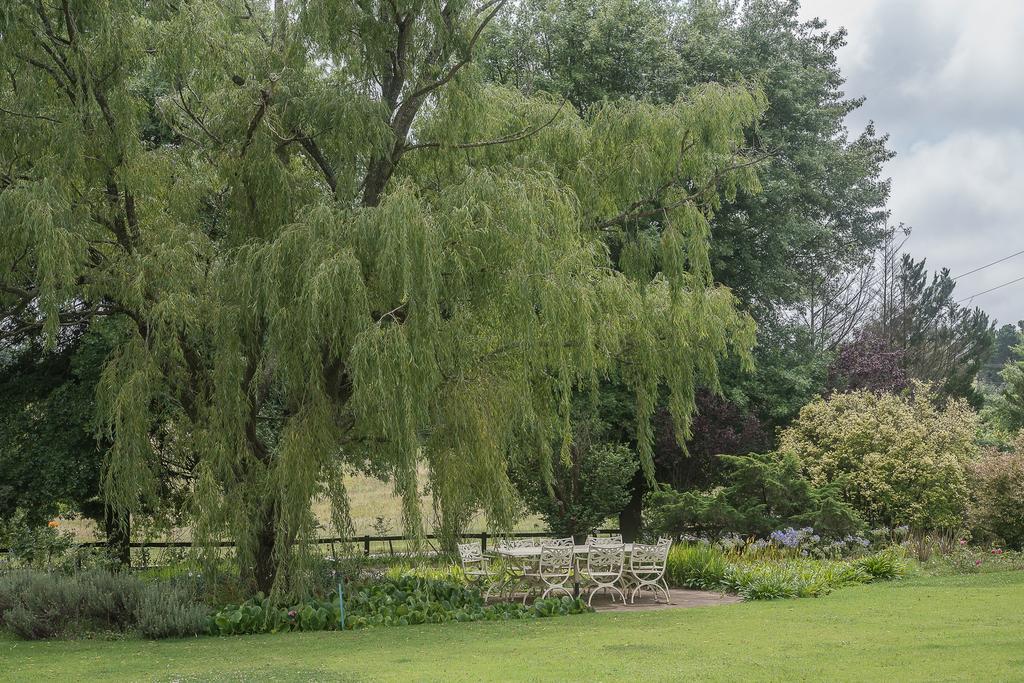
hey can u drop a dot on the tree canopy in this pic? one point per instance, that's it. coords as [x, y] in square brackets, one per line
[824, 208]
[334, 245]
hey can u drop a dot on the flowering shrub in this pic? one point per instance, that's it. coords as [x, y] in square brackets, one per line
[898, 460]
[997, 487]
[965, 558]
[809, 543]
[792, 538]
[33, 545]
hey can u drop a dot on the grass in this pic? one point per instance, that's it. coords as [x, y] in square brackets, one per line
[924, 628]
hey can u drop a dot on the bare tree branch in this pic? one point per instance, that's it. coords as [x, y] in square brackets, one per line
[317, 155]
[515, 137]
[430, 87]
[182, 104]
[257, 117]
[29, 116]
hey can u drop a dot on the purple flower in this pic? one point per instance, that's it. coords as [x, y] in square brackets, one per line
[789, 538]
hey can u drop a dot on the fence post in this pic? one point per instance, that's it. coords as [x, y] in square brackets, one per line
[483, 542]
[366, 545]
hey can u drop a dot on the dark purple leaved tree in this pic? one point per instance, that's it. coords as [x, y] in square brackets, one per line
[719, 427]
[868, 362]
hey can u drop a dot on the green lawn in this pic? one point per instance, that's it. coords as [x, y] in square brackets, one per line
[948, 628]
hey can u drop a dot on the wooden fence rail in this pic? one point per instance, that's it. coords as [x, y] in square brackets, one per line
[366, 540]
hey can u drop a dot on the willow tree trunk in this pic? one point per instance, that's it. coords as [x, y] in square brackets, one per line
[119, 536]
[630, 519]
[264, 563]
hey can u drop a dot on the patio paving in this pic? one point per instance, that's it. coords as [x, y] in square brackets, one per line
[678, 598]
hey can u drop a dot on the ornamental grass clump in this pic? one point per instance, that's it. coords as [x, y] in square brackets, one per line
[766, 573]
[698, 565]
[888, 564]
[802, 578]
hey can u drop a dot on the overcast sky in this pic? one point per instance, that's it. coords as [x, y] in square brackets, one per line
[945, 79]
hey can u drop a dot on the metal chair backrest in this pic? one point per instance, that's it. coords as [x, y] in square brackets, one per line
[648, 558]
[509, 543]
[614, 539]
[556, 560]
[559, 542]
[606, 558]
[470, 553]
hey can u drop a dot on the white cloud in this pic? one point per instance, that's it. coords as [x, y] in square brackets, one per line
[968, 169]
[946, 79]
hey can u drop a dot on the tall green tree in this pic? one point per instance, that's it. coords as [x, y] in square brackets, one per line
[50, 459]
[824, 208]
[587, 51]
[585, 489]
[1006, 337]
[1008, 406]
[352, 251]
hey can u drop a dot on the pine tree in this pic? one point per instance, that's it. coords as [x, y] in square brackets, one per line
[942, 341]
[336, 247]
[1009, 404]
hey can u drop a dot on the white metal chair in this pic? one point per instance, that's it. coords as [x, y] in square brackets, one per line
[647, 569]
[567, 542]
[613, 539]
[515, 542]
[554, 570]
[474, 564]
[515, 569]
[605, 564]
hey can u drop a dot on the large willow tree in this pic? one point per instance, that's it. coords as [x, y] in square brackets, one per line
[333, 246]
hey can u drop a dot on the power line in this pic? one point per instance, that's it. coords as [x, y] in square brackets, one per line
[1005, 284]
[987, 265]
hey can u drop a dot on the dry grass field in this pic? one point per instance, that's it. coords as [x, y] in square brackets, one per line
[374, 507]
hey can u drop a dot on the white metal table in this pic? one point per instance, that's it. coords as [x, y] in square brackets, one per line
[531, 553]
